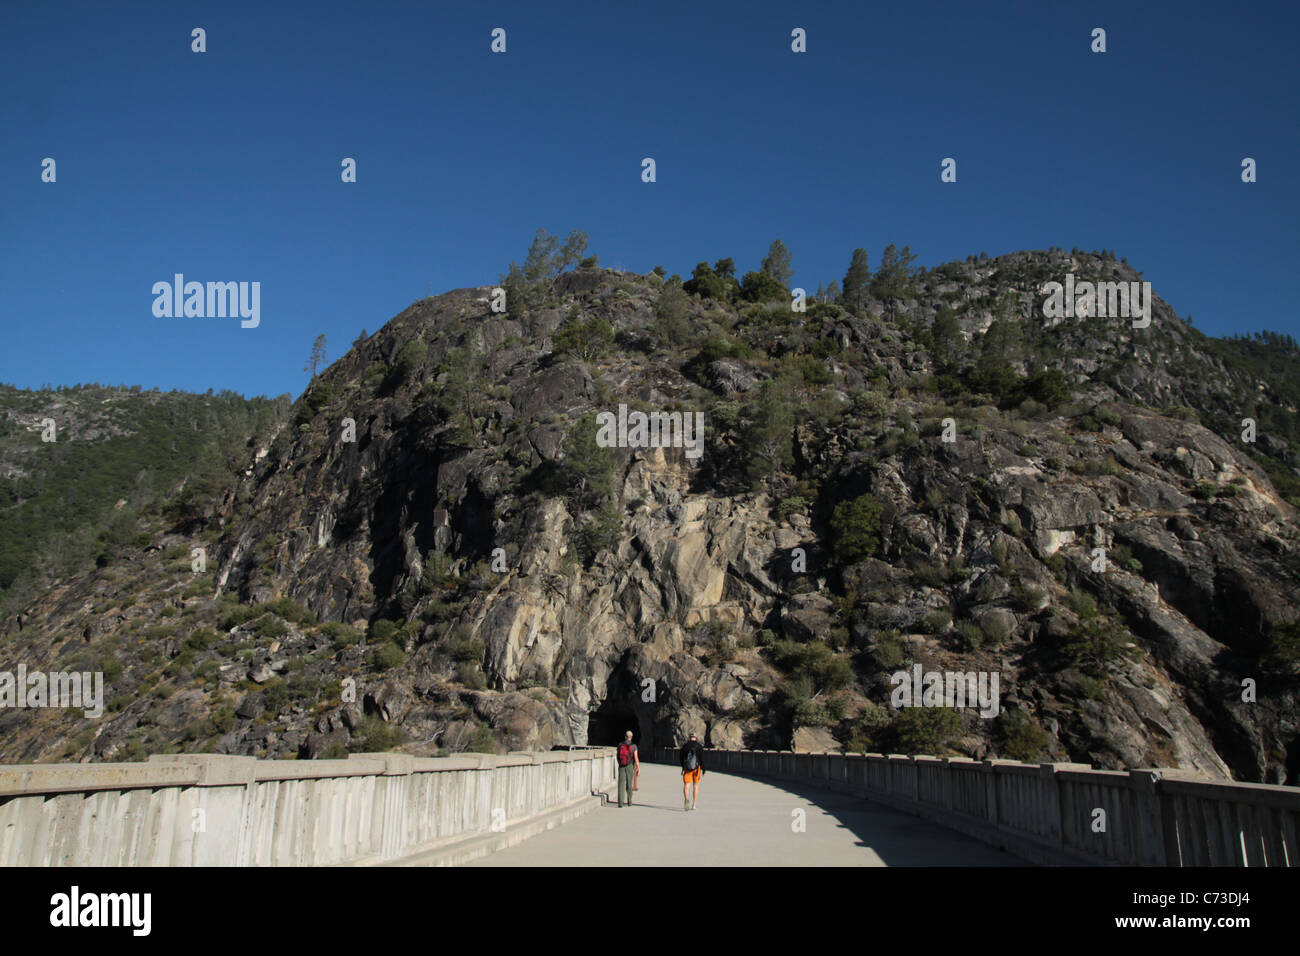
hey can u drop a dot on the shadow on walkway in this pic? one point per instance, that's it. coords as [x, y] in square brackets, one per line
[898, 838]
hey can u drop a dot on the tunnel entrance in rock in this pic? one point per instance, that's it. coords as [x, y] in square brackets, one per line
[619, 712]
[608, 723]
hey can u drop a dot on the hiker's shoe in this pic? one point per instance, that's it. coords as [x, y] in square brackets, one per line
[686, 803]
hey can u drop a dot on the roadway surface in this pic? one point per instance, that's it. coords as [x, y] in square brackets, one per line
[744, 821]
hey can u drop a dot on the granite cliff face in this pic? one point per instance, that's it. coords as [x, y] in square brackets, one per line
[483, 574]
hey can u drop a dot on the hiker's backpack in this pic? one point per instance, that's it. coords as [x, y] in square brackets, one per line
[691, 762]
[624, 754]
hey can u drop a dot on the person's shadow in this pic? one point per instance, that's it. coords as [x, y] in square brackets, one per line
[646, 806]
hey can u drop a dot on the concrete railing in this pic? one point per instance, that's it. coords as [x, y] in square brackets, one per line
[1048, 813]
[201, 810]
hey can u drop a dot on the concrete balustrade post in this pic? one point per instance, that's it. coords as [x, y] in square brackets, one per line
[393, 784]
[990, 777]
[1152, 836]
[902, 777]
[1051, 806]
[534, 794]
[835, 769]
[220, 813]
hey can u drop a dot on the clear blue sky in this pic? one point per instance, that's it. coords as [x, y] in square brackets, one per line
[225, 165]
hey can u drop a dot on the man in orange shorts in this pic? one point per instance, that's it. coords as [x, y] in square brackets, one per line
[692, 770]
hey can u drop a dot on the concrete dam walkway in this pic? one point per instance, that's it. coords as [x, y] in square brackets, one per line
[745, 822]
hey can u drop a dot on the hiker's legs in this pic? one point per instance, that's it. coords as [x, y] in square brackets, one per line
[696, 795]
[686, 792]
[624, 784]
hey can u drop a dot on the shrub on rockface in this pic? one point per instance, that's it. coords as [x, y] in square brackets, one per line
[603, 531]
[275, 695]
[870, 732]
[672, 316]
[290, 610]
[463, 647]
[1284, 644]
[855, 529]
[483, 741]
[587, 339]
[341, 635]
[925, 730]
[1050, 387]
[386, 656]
[888, 652]
[762, 287]
[375, 736]
[411, 357]
[814, 662]
[1021, 738]
[1097, 647]
[970, 636]
[313, 400]
[270, 626]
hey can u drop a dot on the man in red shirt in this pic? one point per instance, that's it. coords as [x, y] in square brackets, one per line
[629, 765]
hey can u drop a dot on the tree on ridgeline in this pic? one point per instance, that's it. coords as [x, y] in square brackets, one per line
[672, 323]
[547, 258]
[317, 356]
[777, 263]
[857, 280]
[893, 280]
[706, 283]
[762, 287]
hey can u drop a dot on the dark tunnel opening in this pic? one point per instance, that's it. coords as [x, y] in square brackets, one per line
[607, 724]
[618, 713]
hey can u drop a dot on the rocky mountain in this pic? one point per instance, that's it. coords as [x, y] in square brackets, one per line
[436, 553]
[79, 464]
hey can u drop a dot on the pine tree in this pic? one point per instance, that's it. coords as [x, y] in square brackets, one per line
[541, 256]
[317, 357]
[706, 283]
[464, 381]
[856, 280]
[672, 315]
[946, 335]
[768, 439]
[547, 258]
[893, 280]
[518, 291]
[1002, 345]
[777, 263]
